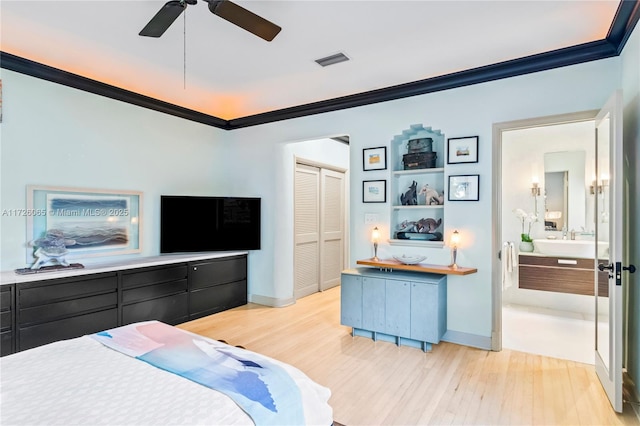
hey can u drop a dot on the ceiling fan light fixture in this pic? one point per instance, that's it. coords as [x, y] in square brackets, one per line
[333, 59]
[225, 9]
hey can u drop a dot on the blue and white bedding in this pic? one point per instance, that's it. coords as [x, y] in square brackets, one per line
[82, 382]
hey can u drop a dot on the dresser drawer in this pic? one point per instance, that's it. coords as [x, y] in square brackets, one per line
[67, 308]
[154, 276]
[154, 291]
[6, 343]
[37, 335]
[50, 291]
[171, 310]
[216, 272]
[6, 320]
[218, 298]
[6, 298]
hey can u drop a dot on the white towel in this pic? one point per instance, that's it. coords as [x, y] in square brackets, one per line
[508, 263]
[513, 259]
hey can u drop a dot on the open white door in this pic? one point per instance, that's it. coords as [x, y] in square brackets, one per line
[611, 204]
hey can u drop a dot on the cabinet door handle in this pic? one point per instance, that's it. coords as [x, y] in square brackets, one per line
[567, 262]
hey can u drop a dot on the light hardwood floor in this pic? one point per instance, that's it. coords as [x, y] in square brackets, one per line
[377, 383]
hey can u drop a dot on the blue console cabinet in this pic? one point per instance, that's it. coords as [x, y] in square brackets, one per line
[406, 308]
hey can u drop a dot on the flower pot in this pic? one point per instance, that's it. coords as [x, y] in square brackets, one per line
[526, 246]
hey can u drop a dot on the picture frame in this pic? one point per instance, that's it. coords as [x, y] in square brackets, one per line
[374, 158]
[374, 191]
[464, 188]
[101, 222]
[462, 150]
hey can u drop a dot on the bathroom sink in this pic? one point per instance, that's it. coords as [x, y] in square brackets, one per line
[571, 248]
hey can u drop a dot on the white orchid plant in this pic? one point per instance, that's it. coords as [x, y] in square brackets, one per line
[526, 219]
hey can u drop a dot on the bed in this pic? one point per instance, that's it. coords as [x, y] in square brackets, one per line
[130, 376]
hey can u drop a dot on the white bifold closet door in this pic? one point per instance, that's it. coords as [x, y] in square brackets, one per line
[319, 229]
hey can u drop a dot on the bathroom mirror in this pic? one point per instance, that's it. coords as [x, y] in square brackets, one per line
[556, 195]
[564, 190]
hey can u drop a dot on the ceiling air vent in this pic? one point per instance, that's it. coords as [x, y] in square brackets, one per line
[333, 59]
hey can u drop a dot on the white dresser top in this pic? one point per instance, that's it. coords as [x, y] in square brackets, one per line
[10, 277]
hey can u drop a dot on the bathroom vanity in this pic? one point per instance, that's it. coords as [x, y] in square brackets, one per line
[563, 274]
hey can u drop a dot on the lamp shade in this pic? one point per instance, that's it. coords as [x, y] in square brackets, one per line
[552, 215]
[375, 235]
[455, 238]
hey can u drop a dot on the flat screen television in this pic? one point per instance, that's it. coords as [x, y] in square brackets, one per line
[200, 224]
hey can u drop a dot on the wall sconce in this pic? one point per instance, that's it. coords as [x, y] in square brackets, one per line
[535, 193]
[535, 187]
[594, 187]
[455, 240]
[375, 237]
[604, 182]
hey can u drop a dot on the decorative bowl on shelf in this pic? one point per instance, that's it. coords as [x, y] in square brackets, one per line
[409, 260]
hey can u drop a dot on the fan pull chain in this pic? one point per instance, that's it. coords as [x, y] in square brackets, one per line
[184, 50]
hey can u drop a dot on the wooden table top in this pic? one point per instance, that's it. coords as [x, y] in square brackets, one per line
[420, 267]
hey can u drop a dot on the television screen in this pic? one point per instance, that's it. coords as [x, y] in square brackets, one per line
[195, 224]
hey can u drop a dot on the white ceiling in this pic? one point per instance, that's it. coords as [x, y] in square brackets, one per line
[206, 64]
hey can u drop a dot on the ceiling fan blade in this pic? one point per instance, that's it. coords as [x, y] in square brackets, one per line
[163, 19]
[245, 19]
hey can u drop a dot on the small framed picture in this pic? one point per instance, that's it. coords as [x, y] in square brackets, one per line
[462, 150]
[374, 158]
[464, 188]
[374, 191]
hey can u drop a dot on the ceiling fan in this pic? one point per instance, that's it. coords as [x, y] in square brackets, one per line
[225, 9]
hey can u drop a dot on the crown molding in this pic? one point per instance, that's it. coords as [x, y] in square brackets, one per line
[624, 22]
[55, 75]
[540, 62]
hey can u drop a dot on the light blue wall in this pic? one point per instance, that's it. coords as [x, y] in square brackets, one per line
[58, 136]
[631, 96]
[459, 112]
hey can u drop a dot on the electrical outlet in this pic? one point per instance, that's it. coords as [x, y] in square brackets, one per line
[371, 218]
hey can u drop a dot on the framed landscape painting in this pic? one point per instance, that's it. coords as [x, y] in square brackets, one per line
[462, 150]
[374, 191]
[99, 222]
[374, 158]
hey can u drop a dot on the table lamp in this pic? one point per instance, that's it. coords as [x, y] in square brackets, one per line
[455, 240]
[375, 236]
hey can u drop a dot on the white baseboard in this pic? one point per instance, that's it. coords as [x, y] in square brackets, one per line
[271, 301]
[467, 339]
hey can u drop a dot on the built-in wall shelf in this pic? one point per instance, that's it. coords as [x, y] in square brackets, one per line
[422, 172]
[391, 264]
[416, 243]
[418, 171]
[440, 206]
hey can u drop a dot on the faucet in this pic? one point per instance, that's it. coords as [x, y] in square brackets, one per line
[583, 231]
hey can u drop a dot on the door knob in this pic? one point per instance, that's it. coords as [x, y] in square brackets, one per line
[630, 268]
[602, 267]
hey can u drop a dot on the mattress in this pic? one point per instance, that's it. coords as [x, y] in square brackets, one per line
[82, 382]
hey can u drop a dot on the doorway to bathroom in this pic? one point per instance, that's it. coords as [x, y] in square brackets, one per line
[547, 192]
